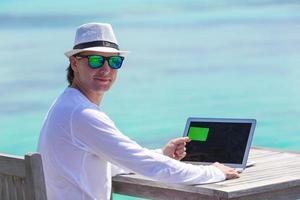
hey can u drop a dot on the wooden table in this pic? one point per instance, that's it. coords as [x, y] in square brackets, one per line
[276, 175]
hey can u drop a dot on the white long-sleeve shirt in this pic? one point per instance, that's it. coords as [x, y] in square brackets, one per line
[79, 143]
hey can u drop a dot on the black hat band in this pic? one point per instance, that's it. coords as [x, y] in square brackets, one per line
[99, 43]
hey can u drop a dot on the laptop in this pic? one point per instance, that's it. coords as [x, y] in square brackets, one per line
[226, 141]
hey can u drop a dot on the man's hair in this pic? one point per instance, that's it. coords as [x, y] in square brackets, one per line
[70, 74]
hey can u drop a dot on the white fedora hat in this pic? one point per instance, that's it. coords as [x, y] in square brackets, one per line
[97, 37]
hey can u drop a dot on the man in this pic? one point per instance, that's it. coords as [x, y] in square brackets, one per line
[80, 145]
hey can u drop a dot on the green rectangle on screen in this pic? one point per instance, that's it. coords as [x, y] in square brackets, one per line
[198, 133]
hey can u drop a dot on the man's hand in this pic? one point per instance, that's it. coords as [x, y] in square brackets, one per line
[176, 148]
[230, 173]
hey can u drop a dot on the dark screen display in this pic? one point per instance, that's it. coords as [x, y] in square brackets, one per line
[217, 142]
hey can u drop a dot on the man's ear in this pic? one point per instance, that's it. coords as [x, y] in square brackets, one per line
[73, 63]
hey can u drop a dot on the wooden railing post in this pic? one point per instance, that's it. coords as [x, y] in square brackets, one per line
[35, 181]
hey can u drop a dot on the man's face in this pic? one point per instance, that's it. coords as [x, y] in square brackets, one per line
[95, 80]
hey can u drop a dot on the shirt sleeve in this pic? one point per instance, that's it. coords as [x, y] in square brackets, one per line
[115, 170]
[160, 151]
[99, 133]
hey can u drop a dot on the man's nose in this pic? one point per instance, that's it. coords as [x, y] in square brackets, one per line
[105, 69]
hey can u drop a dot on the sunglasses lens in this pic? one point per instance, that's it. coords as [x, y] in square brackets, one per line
[115, 62]
[96, 61]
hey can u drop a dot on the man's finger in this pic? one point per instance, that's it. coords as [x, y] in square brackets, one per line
[180, 146]
[234, 175]
[180, 151]
[180, 140]
[182, 156]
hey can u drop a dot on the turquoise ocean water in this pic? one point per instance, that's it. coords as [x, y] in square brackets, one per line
[237, 59]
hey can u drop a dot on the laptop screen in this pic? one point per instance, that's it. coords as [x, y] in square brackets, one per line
[223, 142]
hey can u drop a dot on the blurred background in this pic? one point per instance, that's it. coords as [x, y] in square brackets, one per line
[208, 58]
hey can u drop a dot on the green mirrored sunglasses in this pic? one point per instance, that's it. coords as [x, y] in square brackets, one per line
[97, 61]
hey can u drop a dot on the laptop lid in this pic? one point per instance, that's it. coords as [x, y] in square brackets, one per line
[226, 141]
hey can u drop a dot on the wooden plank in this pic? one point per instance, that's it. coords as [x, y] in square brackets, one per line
[3, 187]
[260, 187]
[292, 193]
[275, 158]
[262, 154]
[129, 182]
[10, 186]
[35, 182]
[20, 188]
[152, 192]
[269, 149]
[12, 165]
